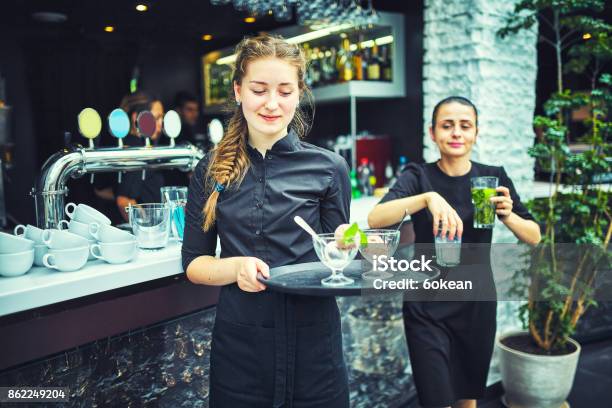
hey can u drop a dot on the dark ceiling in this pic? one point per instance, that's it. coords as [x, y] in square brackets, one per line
[184, 20]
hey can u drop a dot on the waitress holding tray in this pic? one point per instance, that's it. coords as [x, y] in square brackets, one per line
[451, 342]
[268, 349]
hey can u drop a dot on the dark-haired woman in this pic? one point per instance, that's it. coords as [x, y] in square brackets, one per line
[268, 349]
[451, 342]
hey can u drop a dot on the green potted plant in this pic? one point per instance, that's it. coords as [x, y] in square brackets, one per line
[538, 365]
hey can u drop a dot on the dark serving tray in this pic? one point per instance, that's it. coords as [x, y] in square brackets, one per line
[305, 279]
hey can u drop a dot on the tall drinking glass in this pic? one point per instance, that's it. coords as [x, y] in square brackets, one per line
[176, 197]
[336, 257]
[483, 188]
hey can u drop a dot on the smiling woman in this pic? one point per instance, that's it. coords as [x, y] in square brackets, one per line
[268, 349]
[269, 98]
[450, 364]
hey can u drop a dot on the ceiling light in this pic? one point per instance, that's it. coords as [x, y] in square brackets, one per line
[109, 29]
[142, 7]
[207, 37]
[249, 20]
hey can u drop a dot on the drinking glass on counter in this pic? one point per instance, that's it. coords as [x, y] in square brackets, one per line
[483, 188]
[176, 197]
[150, 224]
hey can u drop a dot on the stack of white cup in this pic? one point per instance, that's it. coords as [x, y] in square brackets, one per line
[16, 254]
[114, 245]
[66, 252]
[106, 242]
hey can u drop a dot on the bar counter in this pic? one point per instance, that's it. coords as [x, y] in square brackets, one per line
[45, 311]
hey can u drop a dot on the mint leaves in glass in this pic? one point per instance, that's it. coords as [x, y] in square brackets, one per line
[483, 188]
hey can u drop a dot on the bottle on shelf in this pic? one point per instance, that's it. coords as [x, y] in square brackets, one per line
[388, 173]
[403, 161]
[328, 66]
[386, 66]
[344, 62]
[363, 176]
[355, 192]
[358, 61]
[373, 70]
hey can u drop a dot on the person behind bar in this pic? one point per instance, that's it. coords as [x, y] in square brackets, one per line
[188, 108]
[451, 342]
[268, 349]
[133, 189]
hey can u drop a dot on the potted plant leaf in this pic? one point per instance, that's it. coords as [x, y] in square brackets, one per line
[538, 365]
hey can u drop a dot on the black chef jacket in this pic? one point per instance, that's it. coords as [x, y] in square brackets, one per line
[271, 349]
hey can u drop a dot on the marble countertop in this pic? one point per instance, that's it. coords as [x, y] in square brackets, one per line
[42, 286]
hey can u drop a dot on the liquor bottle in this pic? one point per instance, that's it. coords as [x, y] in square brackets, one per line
[358, 61]
[355, 192]
[374, 65]
[386, 69]
[327, 66]
[2, 91]
[403, 161]
[309, 65]
[388, 173]
[363, 176]
[314, 69]
[344, 62]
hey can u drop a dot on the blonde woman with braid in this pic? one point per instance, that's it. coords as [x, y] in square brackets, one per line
[268, 349]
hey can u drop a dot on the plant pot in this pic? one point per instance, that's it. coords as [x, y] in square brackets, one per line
[536, 381]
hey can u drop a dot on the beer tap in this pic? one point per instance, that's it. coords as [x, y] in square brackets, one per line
[215, 131]
[145, 125]
[119, 125]
[90, 125]
[172, 126]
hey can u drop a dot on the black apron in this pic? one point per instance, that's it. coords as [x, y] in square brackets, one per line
[276, 350]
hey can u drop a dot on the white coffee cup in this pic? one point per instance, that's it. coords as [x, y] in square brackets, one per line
[76, 227]
[86, 214]
[90, 257]
[39, 251]
[115, 252]
[16, 264]
[56, 239]
[11, 244]
[29, 232]
[108, 233]
[66, 260]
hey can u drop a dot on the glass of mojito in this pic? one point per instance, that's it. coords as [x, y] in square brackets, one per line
[483, 188]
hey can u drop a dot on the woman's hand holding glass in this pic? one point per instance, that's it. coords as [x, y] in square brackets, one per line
[444, 215]
[247, 269]
[503, 203]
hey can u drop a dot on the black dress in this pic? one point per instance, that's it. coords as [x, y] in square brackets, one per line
[451, 342]
[270, 349]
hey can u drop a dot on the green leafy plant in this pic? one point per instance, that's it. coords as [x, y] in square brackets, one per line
[577, 216]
